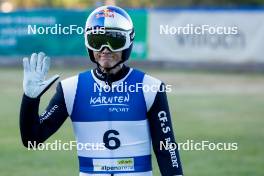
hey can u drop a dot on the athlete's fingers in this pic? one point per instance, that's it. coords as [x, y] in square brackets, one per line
[33, 62]
[46, 65]
[41, 56]
[26, 64]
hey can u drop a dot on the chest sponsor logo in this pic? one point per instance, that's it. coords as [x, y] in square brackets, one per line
[115, 100]
[124, 164]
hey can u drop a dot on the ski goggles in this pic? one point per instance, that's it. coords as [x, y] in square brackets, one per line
[115, 40]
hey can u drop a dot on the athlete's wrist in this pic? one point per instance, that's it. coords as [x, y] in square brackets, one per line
[30, 98]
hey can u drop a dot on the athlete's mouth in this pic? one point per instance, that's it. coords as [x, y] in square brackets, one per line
[106, 57]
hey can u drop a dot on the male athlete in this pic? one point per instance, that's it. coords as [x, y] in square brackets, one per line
[127, 121]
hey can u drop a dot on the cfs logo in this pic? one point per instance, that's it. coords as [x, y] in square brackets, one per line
[97, 30]
[105, 13]
[164, 121]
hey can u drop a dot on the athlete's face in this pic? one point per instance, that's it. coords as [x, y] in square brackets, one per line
[107, 58]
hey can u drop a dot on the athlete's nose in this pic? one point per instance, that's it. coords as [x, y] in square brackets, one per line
[106, 50]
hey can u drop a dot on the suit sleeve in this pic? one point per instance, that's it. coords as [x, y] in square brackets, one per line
[161, 132]
[37, 128]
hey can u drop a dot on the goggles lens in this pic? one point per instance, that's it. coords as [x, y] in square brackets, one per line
[114, 39]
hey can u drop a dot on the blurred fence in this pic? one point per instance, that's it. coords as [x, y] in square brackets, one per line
[207, 35]
[182, 35]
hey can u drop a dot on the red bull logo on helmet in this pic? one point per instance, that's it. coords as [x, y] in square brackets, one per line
[105, 13]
